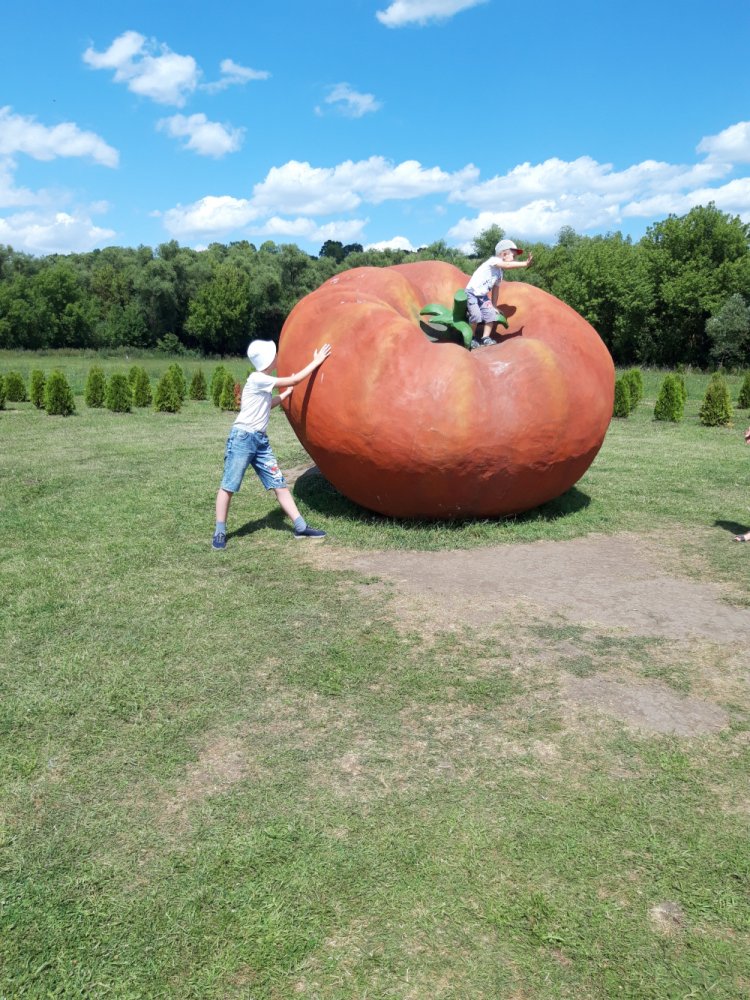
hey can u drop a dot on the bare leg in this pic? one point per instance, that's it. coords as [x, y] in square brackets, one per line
[223, 499]
[743, 538]
[287, 504]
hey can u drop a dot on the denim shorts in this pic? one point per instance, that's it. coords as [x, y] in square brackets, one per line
[250, 448]
[479, 308]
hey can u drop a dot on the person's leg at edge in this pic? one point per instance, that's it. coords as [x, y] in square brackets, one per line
[223, 499]
[287, 504]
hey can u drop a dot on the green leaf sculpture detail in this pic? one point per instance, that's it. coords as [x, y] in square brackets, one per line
[453, 320]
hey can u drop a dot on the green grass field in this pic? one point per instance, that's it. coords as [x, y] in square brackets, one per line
[241, 775]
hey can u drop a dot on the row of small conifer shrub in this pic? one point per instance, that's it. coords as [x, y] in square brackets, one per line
[120, 393]
[716, 408]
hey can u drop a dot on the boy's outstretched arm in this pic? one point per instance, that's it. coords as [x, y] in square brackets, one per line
[508, 265]
[319, 357]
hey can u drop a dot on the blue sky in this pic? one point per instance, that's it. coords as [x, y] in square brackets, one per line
[367, 121]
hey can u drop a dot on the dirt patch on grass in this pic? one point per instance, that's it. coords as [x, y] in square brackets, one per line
[650, 707]
[592, 596]
[222, 764]
[610, 581]
[667, 918]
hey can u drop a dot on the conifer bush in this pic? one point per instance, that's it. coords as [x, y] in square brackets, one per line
[36, 388]
[716, 408]
[58, 396]
[119, 398]
[217, 383]
[669, 403]
[198, 389]
[15, 388]
[133, 374]
[167, 398]
[178, 378]
[634, 380]
[228, 399]
[2, 393]
[683, 387]
[141, 388]
[622, 405]
[743, 400]
[96, 388]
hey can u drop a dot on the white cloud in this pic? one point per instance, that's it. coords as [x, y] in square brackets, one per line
[203, 136]
[232, 73]
[733, 197]
[530, 201]
[534, 201]
[166, 77]
[21, 134]
[44, 227]
[120, 53]
[213, 215]
[351, 103]
[299, 187]
[732, 145]
[554, 178]
[345, 230]
[395, 243]
[297, 190]
[12, 196]
[55, 232]
[403, 12]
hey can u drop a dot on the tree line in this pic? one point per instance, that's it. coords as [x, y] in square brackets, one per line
[680, 294]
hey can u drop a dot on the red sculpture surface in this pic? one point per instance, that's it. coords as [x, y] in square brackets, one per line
[416, 429]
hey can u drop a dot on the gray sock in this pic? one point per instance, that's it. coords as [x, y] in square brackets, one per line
[300, 523]
[222, 527]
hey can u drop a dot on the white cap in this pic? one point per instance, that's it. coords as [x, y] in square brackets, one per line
[506, 245]
[261, 354]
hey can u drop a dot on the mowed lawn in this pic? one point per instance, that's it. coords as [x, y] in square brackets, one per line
[241, 774]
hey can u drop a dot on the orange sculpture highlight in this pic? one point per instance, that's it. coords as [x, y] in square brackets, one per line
[415, 429]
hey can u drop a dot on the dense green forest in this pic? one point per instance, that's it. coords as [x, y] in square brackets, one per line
[678, 295]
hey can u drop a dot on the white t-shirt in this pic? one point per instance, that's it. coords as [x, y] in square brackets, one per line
[486, 276]
[255, 407]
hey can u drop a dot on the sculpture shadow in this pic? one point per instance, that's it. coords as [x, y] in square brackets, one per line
[307, 393]
[440, 334]
[319, 495]
[733, 527]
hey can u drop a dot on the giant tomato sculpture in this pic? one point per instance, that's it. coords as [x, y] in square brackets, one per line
[412, 428]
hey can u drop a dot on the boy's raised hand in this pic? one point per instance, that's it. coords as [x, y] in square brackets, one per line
[321, 354]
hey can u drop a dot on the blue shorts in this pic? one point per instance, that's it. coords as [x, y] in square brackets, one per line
[250, 448]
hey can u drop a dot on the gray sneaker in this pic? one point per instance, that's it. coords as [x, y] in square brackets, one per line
[488, 342]
[309, 533]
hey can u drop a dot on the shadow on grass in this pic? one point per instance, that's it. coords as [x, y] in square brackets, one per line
[733, 527]
[319, 495]
[275, 519]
